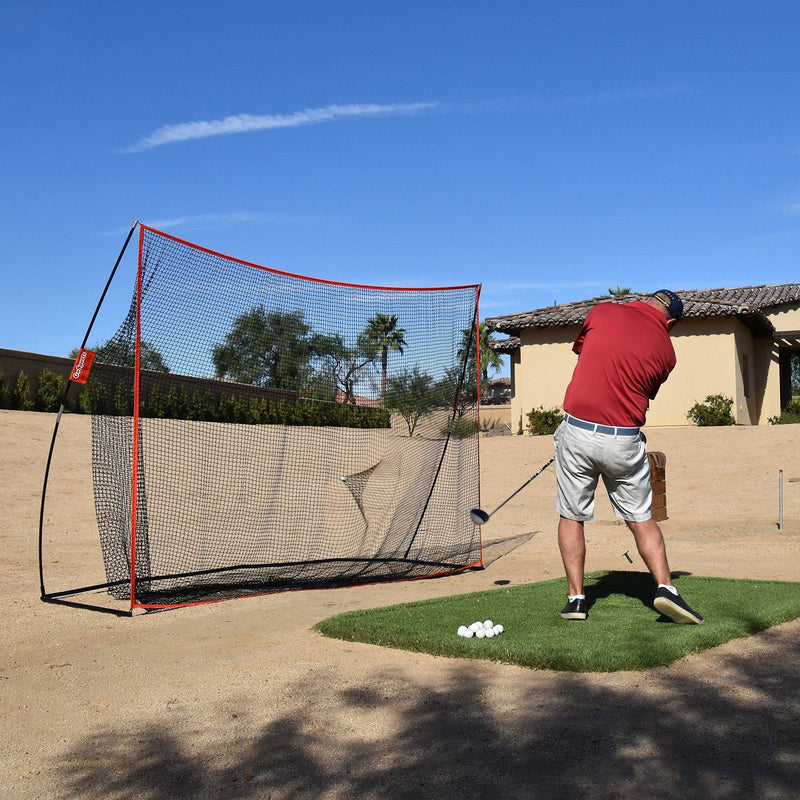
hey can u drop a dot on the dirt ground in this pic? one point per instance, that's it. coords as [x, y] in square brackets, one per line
[242, 700]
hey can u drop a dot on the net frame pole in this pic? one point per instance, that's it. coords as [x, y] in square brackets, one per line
[44, 596]
[135, 442]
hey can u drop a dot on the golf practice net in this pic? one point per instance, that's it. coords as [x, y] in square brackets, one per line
[257, 431]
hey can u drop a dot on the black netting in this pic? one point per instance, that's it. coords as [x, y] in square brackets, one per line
[291, 433]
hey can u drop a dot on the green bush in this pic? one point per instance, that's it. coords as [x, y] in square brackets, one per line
[22, 398]
[178, 403]
[3, 387]
[716, 410]
[543, 422]
[50, 390]
[92, 400]
[789, 416]
[123, 400]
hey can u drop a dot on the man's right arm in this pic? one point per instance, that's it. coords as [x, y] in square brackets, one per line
[577, 345]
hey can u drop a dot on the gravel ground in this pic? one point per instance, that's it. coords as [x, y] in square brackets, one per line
[242, 700]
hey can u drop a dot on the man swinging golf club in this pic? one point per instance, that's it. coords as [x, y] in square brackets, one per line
[624, 355]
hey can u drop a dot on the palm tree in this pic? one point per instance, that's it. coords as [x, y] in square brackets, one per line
[490, 359]
[383, 333]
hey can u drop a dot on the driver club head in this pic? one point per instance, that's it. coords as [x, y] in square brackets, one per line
[478, 516]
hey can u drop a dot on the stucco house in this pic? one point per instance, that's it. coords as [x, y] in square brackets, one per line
[739, 342]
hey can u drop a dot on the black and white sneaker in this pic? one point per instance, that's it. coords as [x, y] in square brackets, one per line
[676, 608]
[574, 609]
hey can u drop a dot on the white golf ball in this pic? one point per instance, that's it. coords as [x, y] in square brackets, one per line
[488, 632]
[462, 630]
[488, 624]
[498, 629]
[480, 633]
[475, 625]
[469, 634]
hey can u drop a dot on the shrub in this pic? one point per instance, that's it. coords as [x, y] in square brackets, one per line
[3, 387]
[92, 400]
[50, 390]
[123, 400]
[22, 398]
[716, 410]
[543, 422]
[789, 416]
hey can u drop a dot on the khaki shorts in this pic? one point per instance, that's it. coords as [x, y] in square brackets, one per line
[583, 456]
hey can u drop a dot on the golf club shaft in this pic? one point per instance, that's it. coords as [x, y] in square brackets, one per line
[536, 475]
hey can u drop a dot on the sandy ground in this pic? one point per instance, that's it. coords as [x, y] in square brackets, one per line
[241, 700]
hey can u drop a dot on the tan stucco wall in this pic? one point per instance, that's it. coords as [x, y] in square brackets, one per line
[495, 417]
[708, 363]
[787, 318]
[715, 355]
[540, 376]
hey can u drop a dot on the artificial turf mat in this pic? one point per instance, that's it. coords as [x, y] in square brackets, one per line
[623, 631]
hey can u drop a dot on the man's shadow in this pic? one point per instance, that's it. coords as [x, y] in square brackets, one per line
[637, 585]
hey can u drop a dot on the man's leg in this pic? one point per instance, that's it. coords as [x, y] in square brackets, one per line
[651, 547]
[650, 543]
[572, 543]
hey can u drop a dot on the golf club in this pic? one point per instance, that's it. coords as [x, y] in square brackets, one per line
[479, 516]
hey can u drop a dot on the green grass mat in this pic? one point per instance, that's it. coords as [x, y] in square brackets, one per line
[623, 631]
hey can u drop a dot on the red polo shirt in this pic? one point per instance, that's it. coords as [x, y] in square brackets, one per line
[624, 355]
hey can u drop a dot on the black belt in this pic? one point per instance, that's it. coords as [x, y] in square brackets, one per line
[592, 426]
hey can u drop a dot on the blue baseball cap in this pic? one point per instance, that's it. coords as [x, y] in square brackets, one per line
[670, 301]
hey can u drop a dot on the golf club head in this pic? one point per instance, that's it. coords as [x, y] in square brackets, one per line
[478, 516]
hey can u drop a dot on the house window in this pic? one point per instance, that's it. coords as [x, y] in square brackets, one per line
[789, 360]
[746, 374]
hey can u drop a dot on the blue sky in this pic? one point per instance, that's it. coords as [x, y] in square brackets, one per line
[546, 150]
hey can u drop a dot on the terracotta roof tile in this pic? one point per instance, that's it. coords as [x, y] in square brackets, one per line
[748, 303]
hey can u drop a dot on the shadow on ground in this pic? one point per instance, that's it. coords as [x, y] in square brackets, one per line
[492, 551]
[559, 736]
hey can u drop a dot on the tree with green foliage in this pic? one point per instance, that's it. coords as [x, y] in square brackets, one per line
[123, 354]
[489, 359]
[341, 365]
[620, 291]
[384, 334]
[268, 348]
[412, 394]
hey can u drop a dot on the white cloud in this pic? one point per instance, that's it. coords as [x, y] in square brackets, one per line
[202, 221]
[225, 220]
[620, 96]
[243, 123]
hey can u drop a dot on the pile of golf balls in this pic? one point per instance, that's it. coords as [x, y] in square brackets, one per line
[480, 630]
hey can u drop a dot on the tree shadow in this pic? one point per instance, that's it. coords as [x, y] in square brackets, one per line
[731, 732]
